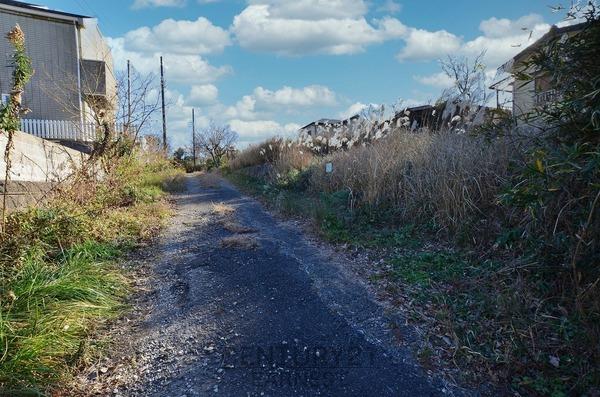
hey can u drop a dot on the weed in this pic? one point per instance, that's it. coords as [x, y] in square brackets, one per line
[239, 242]
[59, 279]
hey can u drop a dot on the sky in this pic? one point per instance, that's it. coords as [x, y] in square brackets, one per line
[268, 67]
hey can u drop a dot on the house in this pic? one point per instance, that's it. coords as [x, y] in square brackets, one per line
[327, 126]
[527, 95]
[317, 127]
[425, 116]
[73, 66]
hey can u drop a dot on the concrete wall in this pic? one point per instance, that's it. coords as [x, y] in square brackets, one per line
[38, 160]
[51, 44]
[37, 167]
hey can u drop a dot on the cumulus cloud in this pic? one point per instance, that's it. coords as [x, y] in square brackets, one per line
[286, 99]
[202, 95]
[313, 95]
[352, 110]
[425, 45]
[303, 27]
[179, 37]
[502, 38]
[243, 109]
[257, 130]
[189, 69]
[314, 9]
[137, 4]
[390, 6]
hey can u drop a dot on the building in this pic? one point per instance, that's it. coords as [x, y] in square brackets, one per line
[529, 94]
[73, 66]
[328, 126]
[317, 127]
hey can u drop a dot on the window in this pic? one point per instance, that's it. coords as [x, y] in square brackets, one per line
[5, 99]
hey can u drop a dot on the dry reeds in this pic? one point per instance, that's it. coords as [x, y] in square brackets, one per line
[443, 177]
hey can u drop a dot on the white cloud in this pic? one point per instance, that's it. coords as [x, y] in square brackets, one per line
[179, 37]
[437, 80]
[313, 95]
[500, 28]
[258, 130]
[202, 95]
[243, 109]
[314, 9]
[390, 6]
[303, 27]
[188, 69]
[137, 4]
[425, 45]
[502, 38]
[284, 100]
[352, 110]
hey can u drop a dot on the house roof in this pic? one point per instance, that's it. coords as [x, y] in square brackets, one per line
[552, 33]
[422, 107]
[40, 11]
[322, 121]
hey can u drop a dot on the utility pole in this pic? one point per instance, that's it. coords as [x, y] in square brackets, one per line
[162, 94]
[128, 95]
[194, 137]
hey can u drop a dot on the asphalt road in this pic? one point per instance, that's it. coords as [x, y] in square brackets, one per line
[243, 304]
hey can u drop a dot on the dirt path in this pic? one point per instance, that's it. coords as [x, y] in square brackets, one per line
[241, 304]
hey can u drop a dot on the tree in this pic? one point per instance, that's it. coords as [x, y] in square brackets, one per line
[216, 141]
[179, 155]
[469, 79]
[129, 106]
[136, 108]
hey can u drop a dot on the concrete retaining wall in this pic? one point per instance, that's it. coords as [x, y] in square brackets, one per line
[37, 166]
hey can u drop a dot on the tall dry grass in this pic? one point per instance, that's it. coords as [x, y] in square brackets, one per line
[445, 178]
[283, 155]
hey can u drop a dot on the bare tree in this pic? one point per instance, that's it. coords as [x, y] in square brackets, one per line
[127, 105]
[216, 141]
[137, 107]
[469, 79]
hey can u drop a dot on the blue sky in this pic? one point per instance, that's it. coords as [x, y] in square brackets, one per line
[267, 67]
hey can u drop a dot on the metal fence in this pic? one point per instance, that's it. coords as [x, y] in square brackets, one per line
[65, 130]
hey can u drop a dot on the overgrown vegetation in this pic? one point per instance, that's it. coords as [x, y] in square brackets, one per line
[59, 280]
[489, 240]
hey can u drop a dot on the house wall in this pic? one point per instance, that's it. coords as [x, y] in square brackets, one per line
[94, 48]
[523, 98]
[52, 92]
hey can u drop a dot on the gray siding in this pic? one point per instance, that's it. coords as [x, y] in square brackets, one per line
[52, 92]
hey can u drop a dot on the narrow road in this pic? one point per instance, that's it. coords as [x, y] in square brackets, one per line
[242, 304]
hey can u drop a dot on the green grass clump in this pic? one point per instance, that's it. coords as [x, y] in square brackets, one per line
[59, 280]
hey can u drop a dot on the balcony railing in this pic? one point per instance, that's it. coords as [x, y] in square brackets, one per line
[65, 130]
[546, 97]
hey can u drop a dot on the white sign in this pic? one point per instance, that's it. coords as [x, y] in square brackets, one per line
[329, 168]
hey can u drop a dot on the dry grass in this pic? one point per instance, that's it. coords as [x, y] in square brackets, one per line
[236, 228]
[444, 178]
[284, 155]
[222, 209]
[239, 242]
